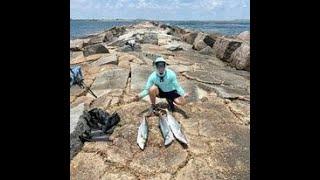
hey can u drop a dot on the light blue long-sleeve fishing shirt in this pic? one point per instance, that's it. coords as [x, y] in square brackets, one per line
[169, 83]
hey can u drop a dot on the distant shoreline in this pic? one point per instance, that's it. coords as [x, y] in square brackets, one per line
[235, 20]
[83, 28]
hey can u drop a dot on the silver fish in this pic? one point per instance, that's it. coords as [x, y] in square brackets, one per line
[142, 133]
[165, 130]
[176, 128]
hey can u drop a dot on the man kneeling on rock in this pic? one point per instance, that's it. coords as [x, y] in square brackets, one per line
[163, 83]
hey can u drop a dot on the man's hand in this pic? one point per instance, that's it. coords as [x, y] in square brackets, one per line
[186, 95]
[135, 98]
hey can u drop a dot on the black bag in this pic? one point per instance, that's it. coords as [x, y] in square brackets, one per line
[98, 119]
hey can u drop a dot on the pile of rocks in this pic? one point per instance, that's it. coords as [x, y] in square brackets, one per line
[212, 68]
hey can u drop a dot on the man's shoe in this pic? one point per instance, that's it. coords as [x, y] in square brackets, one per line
[151, 110]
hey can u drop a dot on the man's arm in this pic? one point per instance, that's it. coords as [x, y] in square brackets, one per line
[147, 86]
[177, 85]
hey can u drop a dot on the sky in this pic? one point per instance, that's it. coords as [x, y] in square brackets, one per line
[160, 9]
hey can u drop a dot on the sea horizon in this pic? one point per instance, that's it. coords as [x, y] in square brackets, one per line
[80, 28]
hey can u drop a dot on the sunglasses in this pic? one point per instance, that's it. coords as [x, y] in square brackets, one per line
[160, 65]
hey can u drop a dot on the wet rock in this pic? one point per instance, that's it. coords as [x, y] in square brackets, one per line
[94, 49]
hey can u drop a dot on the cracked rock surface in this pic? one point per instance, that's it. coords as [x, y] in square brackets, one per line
[216, 121]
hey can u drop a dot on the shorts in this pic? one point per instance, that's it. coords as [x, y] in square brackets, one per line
[168, 95]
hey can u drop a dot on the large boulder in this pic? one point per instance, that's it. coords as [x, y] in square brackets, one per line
[117, 30]
[245, 36]
[127, 48]
[104, 100]
[75, 55]
[76, 45]
[139, 76]
[179, 68]
[95, 49]
[203, 40]
[125, 59]
[175, 31]
[174, 47]
[99, 38]
[189, 37]
[224, 47]
[111, 79]
[108, 37]
[207, 51]
[78, 126]
[214, 35]
[106, 59]
[82, 59]
[82, 99]
[240, 58]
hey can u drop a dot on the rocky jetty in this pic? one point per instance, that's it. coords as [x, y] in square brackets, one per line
[213, 68]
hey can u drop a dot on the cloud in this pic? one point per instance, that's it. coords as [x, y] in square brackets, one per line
[165, 9]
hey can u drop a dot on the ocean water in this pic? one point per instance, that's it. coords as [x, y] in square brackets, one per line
[81, 28]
